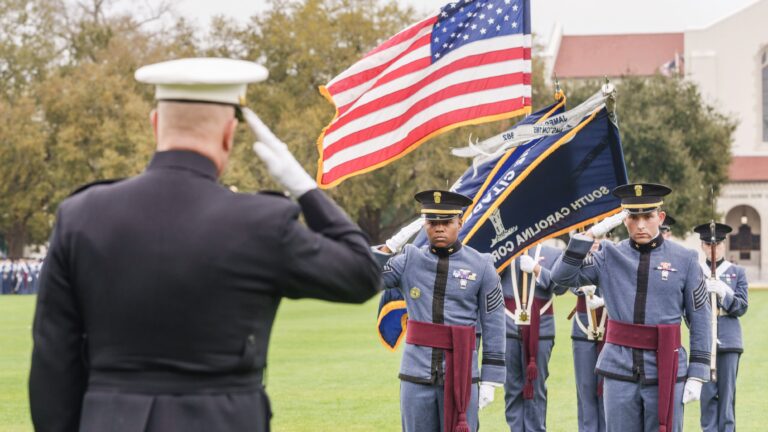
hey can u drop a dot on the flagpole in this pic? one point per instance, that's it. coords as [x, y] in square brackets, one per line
[524, 293]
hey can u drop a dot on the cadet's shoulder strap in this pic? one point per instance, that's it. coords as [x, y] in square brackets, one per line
[723, 267]
[96, 183]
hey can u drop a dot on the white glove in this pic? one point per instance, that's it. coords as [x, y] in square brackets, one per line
[397, 241]
[588, 290]
[718, 287]
[281, 164]
[595, 302]
[692, 391]
[485, 396]
[527, 263]
[604, 226]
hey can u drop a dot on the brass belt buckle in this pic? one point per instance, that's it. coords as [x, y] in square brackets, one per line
[522, 317]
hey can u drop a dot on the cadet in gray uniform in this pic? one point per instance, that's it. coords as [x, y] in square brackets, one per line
[530, 336]
[587, 339]
[648, 284]
[450, 290]
[718, 398]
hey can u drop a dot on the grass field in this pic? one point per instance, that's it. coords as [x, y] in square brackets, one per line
[327, 371]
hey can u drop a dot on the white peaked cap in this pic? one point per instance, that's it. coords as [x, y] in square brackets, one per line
[217, 80]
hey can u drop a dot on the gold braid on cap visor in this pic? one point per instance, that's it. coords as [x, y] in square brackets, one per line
[445, 212]
[642, 206]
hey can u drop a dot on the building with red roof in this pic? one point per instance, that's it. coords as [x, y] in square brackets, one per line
[595, 56]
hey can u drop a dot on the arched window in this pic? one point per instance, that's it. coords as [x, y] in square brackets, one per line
[744, 241]
[764, 69]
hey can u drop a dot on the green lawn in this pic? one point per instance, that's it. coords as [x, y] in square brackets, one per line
[328, 371]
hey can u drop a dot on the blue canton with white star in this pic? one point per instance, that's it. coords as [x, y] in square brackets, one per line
[466, 21]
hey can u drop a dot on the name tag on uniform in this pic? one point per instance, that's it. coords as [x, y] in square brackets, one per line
[464, 275]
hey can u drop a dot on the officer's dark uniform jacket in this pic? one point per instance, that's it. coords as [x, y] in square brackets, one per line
[159, 292]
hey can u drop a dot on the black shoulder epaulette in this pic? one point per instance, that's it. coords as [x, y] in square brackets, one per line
[274, 192]
[96, 183]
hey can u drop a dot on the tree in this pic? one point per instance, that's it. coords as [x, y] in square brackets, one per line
[25, 55]
[23, 160]
[70, 111]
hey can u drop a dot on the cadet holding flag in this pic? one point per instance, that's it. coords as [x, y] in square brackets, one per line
[718, 398]
[587, 339]
[528, 295]
[648, 284]
[451, 290]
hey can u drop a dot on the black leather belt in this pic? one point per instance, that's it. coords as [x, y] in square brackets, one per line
[164, 382]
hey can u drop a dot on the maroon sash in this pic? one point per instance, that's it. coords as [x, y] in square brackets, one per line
[530, 336]
[665, 340]
[459, 343]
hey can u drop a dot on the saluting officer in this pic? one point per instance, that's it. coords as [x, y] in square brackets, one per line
[159, 291]
[648, 285]
[530, 327]
[587, 340]
[718, 399]
[450, 291]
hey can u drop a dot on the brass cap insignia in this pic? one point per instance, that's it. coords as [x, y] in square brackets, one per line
[638, 190]
[438, 196]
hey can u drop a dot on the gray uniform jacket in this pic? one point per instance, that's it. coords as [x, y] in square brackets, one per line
[656, 283]
[731, 307]
[544, 290]
[452, 288]
[158, 294]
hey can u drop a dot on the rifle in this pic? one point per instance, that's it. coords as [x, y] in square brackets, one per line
[713, 296]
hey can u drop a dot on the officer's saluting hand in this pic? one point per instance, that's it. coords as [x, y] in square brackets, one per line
[281, 164]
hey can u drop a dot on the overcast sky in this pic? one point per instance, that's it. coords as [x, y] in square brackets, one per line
[576, 16]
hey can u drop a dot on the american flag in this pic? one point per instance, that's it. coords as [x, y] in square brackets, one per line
[468, 64]
[673, 67]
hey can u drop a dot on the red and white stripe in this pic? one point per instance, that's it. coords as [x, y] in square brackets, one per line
[395, 97]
